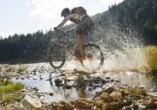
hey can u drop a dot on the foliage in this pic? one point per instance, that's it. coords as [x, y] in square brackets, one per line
[10, 69]
[151, 53]
[137, 90]
[18, 99]
[21, 70]
[11, 88]
[6, 82]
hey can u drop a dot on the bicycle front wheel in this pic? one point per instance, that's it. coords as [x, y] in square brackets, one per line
[94, 57]
[57, 56]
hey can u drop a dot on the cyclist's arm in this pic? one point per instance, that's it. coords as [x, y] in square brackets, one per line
[62, 23]
[74, 27]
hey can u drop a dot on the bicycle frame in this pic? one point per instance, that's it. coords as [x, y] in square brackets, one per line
[64, 42]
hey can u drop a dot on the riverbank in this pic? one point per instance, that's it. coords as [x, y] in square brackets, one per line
[60, 88]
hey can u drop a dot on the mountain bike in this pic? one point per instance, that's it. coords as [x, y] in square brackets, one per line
[57, 54]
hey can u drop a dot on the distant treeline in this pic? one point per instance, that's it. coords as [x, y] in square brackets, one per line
[127, 15]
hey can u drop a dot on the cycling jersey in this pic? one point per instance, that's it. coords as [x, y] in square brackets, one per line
[76, 17]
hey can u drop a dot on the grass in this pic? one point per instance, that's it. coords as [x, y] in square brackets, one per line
[9, 86]
[10, 69]
[21, 70]
[137, 90]
[9, 98]
[6, 82]
[148, 60]
[151, 54]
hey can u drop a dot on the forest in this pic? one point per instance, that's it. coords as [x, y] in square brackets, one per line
[128, 15]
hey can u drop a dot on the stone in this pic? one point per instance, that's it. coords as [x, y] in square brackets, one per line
[112, 106]
[99, 103]
[114, 95]
[51, 94]
[104, 96]
[83, 103]
[35, 89]
[18, 108]
[97, 99]
[108, 90]
[23, 90]
[40, 108]
[151, 103]
[29, 102]
[49, 107]
[142, 104]
[69, 106]
[127, 100]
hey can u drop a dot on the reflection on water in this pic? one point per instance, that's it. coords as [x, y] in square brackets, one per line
[129, 78]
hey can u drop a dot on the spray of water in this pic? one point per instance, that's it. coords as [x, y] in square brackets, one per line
[122, 50]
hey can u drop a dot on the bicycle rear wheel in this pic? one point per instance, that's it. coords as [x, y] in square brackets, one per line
[94, 57]
[57, 56]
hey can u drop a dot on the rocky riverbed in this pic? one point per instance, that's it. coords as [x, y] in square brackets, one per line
[46, 88]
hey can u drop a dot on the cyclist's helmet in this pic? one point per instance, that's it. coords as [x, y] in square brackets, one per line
[65, 10]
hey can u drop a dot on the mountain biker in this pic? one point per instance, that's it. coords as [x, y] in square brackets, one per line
[83, 24]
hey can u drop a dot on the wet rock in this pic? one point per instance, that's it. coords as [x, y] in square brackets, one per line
[134, 103]
[127, 108]
[23, 90]
[90, 89]
[51, 94]
[29, 102]
[90, 84]
[35, 89]
[99, 103]
[58, 106]
[40, 108]
[104, 96]
[108, 90]
[142, 104]
[107, 77]
[58, 82]
[117, 81]
[97, 99]
[127, 100]
[18, 108]
[112, 106]
[151, 103]
[69, 106]
[34, 78]
[83, 103]
[114, 95]
[112, 80]
[73, 103]
[120, 101]
[48, 107]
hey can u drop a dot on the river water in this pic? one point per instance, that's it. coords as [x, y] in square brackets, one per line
[45, 85]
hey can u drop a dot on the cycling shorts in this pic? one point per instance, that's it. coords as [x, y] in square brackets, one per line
[84, 26]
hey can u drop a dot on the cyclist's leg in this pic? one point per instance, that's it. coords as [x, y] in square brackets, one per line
[80, 43]
[83, 28]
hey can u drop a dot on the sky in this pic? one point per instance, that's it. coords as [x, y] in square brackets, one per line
[29, 16]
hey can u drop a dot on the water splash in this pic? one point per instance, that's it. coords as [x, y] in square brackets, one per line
[122, 49]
